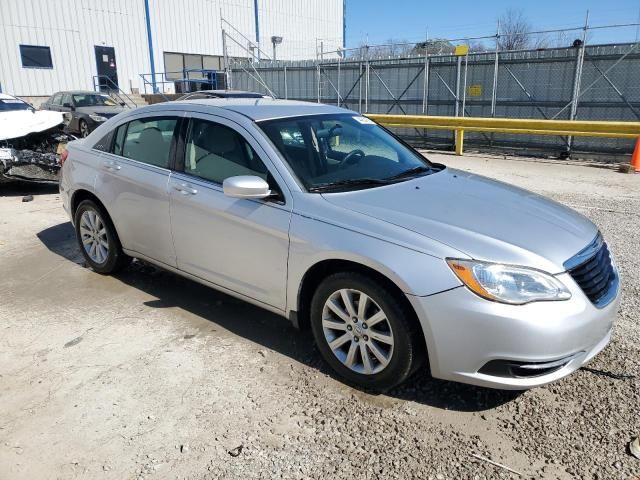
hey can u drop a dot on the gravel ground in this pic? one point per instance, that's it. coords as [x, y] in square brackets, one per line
[147, 375]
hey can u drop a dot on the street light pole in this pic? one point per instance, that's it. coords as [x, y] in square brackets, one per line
[275, 40]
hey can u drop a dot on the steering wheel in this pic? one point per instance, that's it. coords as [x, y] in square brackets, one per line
[350, 156]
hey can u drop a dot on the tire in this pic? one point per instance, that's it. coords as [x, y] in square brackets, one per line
[400, 358]
[98, 239]
[83, 128]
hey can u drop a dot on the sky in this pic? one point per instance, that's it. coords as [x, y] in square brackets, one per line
[410, 20]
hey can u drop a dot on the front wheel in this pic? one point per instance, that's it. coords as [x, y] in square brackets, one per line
[98, 239]
[365, 333]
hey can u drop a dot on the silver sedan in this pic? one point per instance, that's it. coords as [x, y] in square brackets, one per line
[321, 215]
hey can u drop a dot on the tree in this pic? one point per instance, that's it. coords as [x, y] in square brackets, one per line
[514, 30]
[436, 46]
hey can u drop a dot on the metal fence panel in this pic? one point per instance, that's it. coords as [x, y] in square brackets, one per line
[529, 84]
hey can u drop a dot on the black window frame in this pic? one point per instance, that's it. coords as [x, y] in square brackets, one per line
[23, 54]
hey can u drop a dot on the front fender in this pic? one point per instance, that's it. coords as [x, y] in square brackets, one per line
[313, 241]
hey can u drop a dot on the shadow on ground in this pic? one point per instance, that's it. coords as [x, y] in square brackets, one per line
[20, 189]
[265, 328]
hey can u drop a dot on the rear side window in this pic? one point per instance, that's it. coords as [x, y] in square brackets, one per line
[147, 140]
[215, 152]
[104, 143]
[56, 99]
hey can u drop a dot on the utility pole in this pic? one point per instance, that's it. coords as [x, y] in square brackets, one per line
[577, 79]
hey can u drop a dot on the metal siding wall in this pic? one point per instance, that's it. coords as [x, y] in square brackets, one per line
[194, 26]
[71, 30]
[300, 23]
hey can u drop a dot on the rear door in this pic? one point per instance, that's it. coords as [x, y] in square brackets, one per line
[134, 178]
[238, 244]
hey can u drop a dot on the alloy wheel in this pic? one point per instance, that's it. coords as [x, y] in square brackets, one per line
[357, 331]
[93, 233]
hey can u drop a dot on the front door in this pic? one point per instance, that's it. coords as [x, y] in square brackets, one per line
[107, 69]
[238, 244]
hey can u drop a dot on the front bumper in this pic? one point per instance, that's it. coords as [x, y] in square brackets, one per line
[464, 333]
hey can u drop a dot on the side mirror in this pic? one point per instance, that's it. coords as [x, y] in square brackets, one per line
[246, 186]
[68, 105]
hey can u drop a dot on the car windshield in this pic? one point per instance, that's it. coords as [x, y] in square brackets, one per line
[13, 104]
[342, 152]
[90, 100]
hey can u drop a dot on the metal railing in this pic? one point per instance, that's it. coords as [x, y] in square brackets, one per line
[103, 81]
[187, 78]
[523, 126]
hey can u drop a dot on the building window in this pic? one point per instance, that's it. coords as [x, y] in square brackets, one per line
[35, 57]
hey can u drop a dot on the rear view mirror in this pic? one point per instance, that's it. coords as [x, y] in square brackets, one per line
[246, 186]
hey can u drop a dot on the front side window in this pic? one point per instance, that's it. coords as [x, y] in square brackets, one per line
[93, 100]
[147, 140]
[215, 152]
[35, 57]
[343, 152]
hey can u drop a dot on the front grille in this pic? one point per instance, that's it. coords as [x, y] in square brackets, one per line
[593, 271]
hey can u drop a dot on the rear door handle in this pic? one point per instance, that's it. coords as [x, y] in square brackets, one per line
[111, 165]
[185, 188]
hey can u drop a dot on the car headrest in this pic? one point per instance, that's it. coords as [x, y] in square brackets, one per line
[151, 136]
[216, 139]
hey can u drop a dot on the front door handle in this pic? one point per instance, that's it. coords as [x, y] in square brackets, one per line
[185, 188]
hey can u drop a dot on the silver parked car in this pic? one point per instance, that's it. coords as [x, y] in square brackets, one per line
[321, 215]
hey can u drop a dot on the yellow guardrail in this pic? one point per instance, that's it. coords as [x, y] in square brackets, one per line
[565, 128]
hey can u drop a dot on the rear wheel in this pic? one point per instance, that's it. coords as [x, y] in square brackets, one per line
[98, 239]
[365, 334]
[83, 126]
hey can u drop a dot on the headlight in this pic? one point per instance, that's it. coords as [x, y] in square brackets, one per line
[98, 118]
[508, 284]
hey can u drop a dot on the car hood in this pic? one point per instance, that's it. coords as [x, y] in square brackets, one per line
[106, 111]
[20, 123]
[482, 218]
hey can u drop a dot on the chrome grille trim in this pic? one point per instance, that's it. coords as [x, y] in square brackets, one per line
[593, 270]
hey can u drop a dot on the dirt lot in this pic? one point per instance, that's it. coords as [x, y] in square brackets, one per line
[146, 375]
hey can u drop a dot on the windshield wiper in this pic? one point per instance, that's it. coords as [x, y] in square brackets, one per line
[355, 182]
[412, 172]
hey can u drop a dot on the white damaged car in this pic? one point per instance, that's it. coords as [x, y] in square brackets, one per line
[30, 141]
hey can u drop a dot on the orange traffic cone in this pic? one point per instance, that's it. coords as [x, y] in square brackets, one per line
[635, 157]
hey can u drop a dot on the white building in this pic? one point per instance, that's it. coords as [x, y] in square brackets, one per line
[52, 45]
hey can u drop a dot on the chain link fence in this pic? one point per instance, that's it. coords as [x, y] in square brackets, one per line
[586, 82]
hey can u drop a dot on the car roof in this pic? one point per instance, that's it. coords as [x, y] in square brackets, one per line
[80, 92]
[225, 92]
[259, 109]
